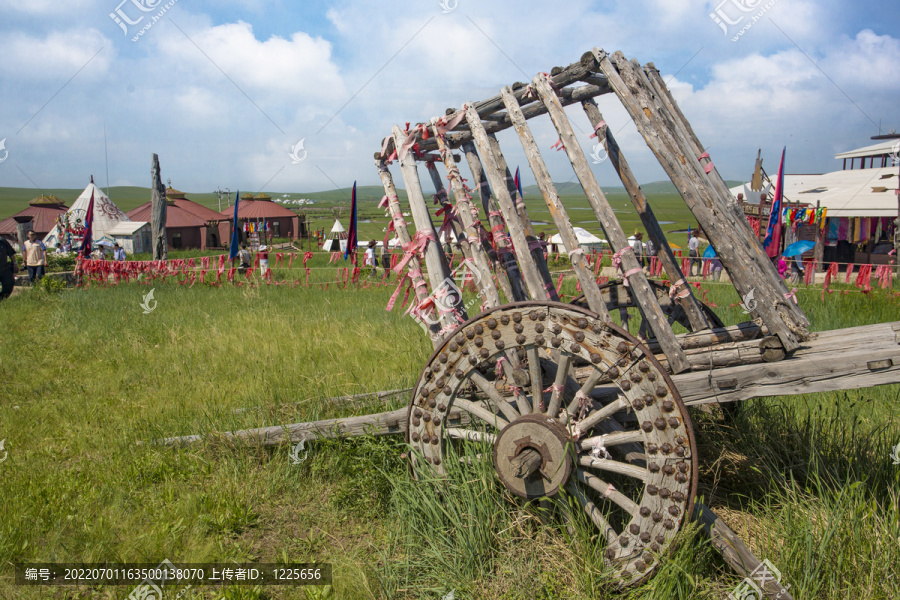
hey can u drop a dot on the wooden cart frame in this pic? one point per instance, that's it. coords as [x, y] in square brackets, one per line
[561, 397]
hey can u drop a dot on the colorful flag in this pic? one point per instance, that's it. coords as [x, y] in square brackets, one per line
[772, 243]
[88, 229]
[519, 184]
[351, 231]
[235, 230]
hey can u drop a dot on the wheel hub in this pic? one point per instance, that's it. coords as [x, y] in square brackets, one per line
[533, 456]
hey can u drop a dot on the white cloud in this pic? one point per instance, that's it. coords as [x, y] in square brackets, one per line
[300, 66]
[57, 55]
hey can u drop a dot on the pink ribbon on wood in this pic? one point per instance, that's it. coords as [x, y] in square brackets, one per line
[415, 247]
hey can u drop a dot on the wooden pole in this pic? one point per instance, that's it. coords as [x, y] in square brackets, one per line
[440, 195]
[158, 206]
[452, 312]
[675, 119]
[415, 270]
[510, 274]
[467, 215]
[745, 272]
[533, 280]
[685, 296]
[537, 250]
[568, 95]
[645, 296]
[22, 229]
[557, 210]
[738, 556]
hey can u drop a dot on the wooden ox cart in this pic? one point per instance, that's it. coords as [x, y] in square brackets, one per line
[561, 396]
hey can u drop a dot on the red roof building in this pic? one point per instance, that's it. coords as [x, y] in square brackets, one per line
[43, 211]
[188, 224]
[283, 223]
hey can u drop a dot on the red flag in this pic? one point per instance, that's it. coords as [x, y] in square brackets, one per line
[88, 228]
[772, 243]
[352, 235]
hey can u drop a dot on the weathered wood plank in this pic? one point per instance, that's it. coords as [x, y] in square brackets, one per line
[684, 135]
[557, 210]
[527, 266]
[438, 270]
[508, 276]
[646, 297]
[534, 247]
[569, 95]
[685, 296]
[738, 556]
[823, 364]
[718, 223]
[420, 287]
[464, 210]
[689, 140]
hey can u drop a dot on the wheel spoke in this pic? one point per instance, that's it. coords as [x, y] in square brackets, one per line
[562, 373]
[470, 435]
[534, 368]
[594, 513]
[585, 389]
[485, 415]
[604, 413]
[614, 466]
[493, 395]
[607, 491]
[612, 439]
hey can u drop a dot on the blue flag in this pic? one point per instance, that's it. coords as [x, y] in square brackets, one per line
[351, 232]
[235, 231]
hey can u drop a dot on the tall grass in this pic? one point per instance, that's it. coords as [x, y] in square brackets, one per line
[807, 481]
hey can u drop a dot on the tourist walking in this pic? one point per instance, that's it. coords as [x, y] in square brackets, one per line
[369, 260]
[35, 255]
[694, 253]
[263, 260]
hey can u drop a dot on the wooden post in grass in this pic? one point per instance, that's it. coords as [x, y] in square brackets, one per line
[23, 226]
[158, 211]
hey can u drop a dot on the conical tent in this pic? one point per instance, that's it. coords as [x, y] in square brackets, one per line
[106, 216]
[338, 238]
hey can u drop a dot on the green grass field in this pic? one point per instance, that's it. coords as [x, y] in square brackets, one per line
[89, 381]
[668, 206]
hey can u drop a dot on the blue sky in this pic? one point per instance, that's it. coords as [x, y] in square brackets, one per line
[223, 90]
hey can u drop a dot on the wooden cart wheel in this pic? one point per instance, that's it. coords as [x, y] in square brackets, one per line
[620, 302]
[620, 443]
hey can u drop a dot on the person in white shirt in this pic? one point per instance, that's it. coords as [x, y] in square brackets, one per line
[119, 253]
[35, 255]
[370, 257]
[694, 253]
